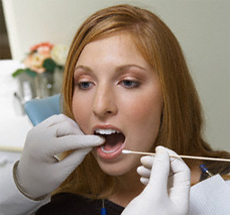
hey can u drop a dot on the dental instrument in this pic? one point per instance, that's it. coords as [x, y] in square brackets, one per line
[205, 170]
[125, 151]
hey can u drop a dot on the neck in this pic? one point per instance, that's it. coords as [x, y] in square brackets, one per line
[129, 186]
[195, 175]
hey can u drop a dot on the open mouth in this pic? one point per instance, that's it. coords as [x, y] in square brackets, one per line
[114, 140]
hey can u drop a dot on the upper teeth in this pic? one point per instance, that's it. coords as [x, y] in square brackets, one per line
[106, 131]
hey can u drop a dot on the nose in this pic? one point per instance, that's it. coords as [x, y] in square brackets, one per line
[104, 104]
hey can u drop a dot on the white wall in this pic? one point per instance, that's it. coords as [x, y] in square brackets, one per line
[203, 29]
[201, 26]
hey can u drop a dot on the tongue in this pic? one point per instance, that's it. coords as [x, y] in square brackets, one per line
[113, 141]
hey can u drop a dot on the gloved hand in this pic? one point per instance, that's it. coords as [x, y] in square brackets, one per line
[39, 172]
[168, 186]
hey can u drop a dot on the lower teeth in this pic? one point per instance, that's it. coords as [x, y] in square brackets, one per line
[105, 151]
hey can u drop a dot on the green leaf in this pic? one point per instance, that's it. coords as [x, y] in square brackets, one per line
[60, 67]
[18, 72]
[49, 64]
[31, 73]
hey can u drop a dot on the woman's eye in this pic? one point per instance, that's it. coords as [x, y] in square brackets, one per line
[84, 85]
[130, 83]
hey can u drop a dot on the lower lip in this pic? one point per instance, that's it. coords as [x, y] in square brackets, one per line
[110, 155]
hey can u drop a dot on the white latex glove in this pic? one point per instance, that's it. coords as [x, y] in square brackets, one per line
[168, 186]
[39, 172]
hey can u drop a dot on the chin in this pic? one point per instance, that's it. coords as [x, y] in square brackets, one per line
[118, 168]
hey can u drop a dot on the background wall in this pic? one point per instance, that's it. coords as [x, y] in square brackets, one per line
[201, 26]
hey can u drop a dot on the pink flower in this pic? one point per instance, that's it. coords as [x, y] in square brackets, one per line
[38, 54]
[45, 45]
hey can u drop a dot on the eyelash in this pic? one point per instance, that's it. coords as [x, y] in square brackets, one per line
[129, 84]
[82, 87]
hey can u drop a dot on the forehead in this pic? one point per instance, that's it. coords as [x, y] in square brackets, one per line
[118, 39]
[113, 47]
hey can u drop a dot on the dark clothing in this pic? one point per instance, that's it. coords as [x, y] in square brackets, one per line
[73, 204]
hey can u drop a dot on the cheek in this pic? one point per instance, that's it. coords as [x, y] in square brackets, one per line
[145, 109]
[145, 117]
[81, 111]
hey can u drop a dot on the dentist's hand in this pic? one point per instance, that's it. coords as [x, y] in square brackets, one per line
[168, 186]
[39, 172]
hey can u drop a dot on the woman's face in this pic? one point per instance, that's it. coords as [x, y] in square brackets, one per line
[117, 95]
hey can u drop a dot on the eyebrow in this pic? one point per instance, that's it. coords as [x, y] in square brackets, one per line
[121, 68]
[86, 68]
[125, 67]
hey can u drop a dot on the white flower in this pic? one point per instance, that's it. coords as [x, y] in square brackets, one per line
[59, 54]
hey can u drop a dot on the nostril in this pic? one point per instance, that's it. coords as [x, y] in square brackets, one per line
[104, 113]
[104, 104]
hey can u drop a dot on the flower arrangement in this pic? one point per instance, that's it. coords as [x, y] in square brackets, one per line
[42, 74]
[43, 57]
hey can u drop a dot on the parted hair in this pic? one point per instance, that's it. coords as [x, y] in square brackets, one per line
[182, 120]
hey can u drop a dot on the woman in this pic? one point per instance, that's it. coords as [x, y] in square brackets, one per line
[128, 68]
[179, 116]
[126, 81]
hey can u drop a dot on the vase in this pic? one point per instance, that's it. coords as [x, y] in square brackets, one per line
[40, 86]
[26, 87]
[49, 83]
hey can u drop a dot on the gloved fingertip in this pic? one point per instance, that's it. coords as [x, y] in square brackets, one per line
[144, 181]
[147, 160]
[160, 149]
[139, 169]
[99, 139]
